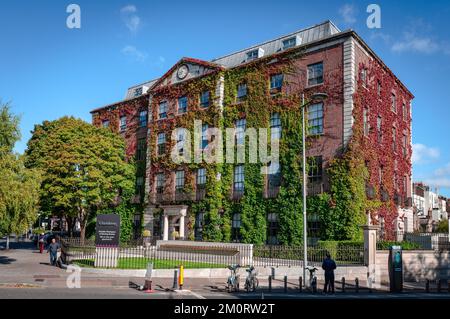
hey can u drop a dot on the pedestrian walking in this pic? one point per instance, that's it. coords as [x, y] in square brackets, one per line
[53, 249]
[329, 266]
[41, 243]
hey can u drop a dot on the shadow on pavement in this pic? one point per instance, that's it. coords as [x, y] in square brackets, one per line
[4, 260]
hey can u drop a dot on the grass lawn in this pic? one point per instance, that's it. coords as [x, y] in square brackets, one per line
[141, 263]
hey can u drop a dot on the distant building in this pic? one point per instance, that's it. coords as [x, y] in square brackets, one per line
[429, 205]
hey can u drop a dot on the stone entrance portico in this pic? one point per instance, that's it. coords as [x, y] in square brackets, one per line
[174, 220]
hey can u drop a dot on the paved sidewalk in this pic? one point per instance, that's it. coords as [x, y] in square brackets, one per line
[25, 273]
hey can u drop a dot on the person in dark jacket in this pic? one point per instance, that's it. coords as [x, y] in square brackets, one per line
[329, 266]
[53, 250]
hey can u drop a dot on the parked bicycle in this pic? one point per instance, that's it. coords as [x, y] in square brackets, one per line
[251, 282]
[233, 279]
[312, 279]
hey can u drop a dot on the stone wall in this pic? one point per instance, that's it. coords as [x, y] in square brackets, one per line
[418, 265]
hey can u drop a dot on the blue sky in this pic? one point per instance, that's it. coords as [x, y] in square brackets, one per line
[48, 70]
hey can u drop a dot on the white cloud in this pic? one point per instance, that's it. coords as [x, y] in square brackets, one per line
[128, 9]
[423, 154]
[348, 13]
[443, 182]
[443, 171]
[134, 53]
[130, 18]
[418, 36]
[415, 43]
[440, 178]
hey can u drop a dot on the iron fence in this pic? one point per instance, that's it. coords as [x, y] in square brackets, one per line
[290, 256]
[208, 255]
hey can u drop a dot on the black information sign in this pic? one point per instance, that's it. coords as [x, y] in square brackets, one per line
[107, 230]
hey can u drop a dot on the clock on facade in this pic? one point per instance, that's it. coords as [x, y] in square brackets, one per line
[182, 71]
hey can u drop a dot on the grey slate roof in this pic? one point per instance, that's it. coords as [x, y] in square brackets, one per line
[316, 32]
[307, 35]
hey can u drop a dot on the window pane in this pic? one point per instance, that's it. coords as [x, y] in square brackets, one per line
[276, 81]
[252, 55]
[163, 110]
[179, 180]
[240, 126]
[201, 176]
[315, 118]
[143, 118]
[123, 123]
[242, 91]
[315, 169]
[315, 73]
[239, 178]
[204, 99]
[182, 104]
[204, 141]
[289, 43]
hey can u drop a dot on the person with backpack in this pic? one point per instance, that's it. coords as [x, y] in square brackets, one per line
[329, 265]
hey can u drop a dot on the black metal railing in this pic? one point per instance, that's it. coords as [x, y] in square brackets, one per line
[290, 256]
[167, 255]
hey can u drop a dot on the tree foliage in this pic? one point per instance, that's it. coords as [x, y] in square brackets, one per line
[84, 168]
[19, 186]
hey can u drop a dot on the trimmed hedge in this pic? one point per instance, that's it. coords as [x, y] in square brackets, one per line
[406, 245]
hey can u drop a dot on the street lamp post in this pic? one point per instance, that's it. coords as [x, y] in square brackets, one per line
[314, 97]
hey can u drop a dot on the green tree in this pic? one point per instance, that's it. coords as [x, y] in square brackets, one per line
[19, 186]
[84, 168]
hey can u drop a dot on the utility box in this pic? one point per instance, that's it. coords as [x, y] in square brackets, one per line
[395, 269]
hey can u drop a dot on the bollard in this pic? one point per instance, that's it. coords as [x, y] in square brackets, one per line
[343, 284]
[285, 284]
[356, 285]
[300, 284]
[273, 272]
[438, 285]
[148, 286]
[427, 286]
[175, 279]
[270, 283]
[181, 278]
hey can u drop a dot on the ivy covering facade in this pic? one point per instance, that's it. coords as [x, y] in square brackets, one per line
[354, 191]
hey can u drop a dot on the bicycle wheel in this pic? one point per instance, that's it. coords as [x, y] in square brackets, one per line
[255, 284]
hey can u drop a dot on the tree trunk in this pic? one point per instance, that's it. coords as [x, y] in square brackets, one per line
[83, 223]
[70, 224]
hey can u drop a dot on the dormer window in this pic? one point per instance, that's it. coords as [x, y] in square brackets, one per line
[255, 54]
[289, 43]
[138, 91]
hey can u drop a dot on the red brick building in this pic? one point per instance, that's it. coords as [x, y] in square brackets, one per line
[361, 91]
